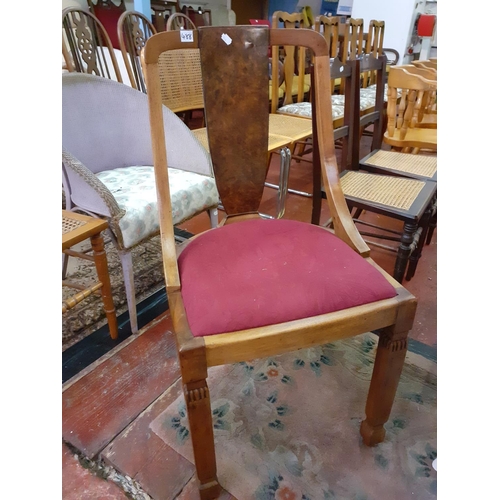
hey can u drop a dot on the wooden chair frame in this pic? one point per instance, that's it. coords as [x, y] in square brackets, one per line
[84, 48]
[134, 29]
[393, 317]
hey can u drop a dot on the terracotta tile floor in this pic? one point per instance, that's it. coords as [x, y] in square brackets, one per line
[108, 406]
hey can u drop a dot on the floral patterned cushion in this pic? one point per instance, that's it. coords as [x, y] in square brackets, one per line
[365, 102]
[135, 192]
[305, 109]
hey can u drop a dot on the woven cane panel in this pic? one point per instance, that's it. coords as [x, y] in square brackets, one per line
[425, 166]
[290, 126]
[70, 224]
[391, 191]
[274, 141]
[180, 79]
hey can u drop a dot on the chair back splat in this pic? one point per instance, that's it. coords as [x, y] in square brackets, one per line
[249, 104]
[255, 287]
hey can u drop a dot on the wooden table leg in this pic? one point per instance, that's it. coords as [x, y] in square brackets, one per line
[101, 264]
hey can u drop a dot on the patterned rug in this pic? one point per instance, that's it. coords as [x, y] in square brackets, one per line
[89, 315]
[287, 427]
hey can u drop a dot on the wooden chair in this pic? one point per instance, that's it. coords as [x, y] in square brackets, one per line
[261, 306]
[408, 198]
[108, 166]
[77, 228]
[426, 63]
[329, 27]
[426, 114]
[134, 29]
[406, 96]
[86, 46]
[374, 46]
[297, 83]
[179, 21]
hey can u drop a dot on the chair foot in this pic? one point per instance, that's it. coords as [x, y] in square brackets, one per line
[210, 491]
[372, 435]
[389, 360]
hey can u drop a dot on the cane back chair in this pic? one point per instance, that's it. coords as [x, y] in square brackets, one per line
[278, 285]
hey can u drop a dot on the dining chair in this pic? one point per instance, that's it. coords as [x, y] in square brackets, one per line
[256, 287]
[405, 197]
[179, 21]
[374, 45]
[133, 29]
[86, 46]
[406, 95]
[108, 170]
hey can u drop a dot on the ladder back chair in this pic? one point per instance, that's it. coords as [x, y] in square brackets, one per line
[86, 46]
[133, 30]
[260, 306]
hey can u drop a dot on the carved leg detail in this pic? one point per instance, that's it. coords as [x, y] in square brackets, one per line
[389, 362]
[202, 437]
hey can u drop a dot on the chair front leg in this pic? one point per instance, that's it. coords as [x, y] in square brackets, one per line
[199, 412]
[389, 360]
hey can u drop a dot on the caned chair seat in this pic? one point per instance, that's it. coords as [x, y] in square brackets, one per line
[134, 190]
[405, 164]
[275, 279]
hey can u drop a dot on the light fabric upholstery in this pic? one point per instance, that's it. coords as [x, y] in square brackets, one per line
[267, 272]
[305, 108]
[107, 164]
[134, 190]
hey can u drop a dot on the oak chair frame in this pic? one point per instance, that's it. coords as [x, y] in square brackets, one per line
[393, 318]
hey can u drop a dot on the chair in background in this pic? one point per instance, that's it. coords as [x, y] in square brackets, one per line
[426, 63]
[162, 10]
[406, 94]
[86, 45]
[426, 114]
[330, 27]
[77, 228]
[408, 198]
[179, 21]
[107, 166]
[108, 13]
[133, 30]
[374, 45]
[247, 304]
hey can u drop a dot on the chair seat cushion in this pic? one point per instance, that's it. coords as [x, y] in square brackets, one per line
[264, 272]
[304, 109]
[134, 189]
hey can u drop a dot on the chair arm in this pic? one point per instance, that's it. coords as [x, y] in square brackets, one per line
[87, 192]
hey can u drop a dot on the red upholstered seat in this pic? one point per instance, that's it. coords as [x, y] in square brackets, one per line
[264, 272]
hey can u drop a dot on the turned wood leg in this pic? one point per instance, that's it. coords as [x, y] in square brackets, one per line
[101, 264]
[404, 250]
[418, 246]
[202, 437]
[432, 226]
[389, 360]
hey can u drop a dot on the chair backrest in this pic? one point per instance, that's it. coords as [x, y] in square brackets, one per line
[374, 45]
[86, 46]
[329, 27]
[106, 126]
[179, 21]
[353, 44]
[405, 97]
[133, 30]
[237, 117]
[293, 59]
[108, 13]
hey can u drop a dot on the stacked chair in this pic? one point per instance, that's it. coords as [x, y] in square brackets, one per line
[256, 287]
